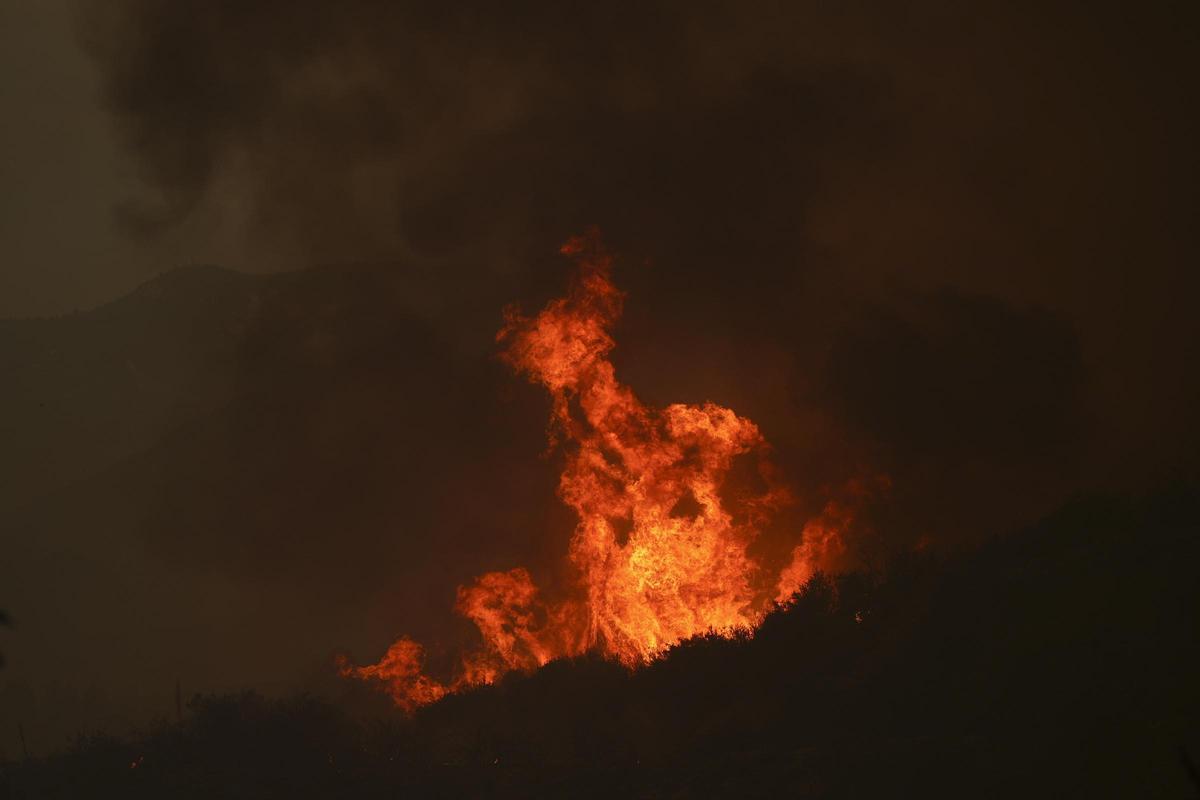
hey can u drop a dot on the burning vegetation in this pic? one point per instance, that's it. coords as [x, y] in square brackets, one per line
[660, 552]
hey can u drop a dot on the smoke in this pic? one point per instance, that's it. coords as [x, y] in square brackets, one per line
[471, 140]
[771, 160]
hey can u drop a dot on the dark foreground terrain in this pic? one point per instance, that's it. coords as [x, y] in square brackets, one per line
[1059, 662]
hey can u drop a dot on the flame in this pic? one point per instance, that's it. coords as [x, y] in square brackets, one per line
[822, 543]
[660, 550]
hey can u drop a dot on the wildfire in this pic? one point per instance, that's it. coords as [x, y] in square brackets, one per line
[822, 544]
[660, 550]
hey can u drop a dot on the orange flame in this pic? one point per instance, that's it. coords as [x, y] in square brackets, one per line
[660, 550]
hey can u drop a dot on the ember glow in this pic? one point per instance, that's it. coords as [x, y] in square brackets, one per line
[660, 551]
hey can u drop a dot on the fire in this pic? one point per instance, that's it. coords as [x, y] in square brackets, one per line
[821, 544]
[660, 550]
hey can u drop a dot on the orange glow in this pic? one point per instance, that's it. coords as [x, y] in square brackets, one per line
[660, 550]
[822, 543]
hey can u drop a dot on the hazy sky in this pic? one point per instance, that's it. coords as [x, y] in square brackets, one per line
[64, 174]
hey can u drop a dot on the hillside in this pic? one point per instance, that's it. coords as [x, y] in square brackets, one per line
[1059, 661]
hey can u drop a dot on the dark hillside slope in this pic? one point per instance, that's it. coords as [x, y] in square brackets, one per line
[1058, 662]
